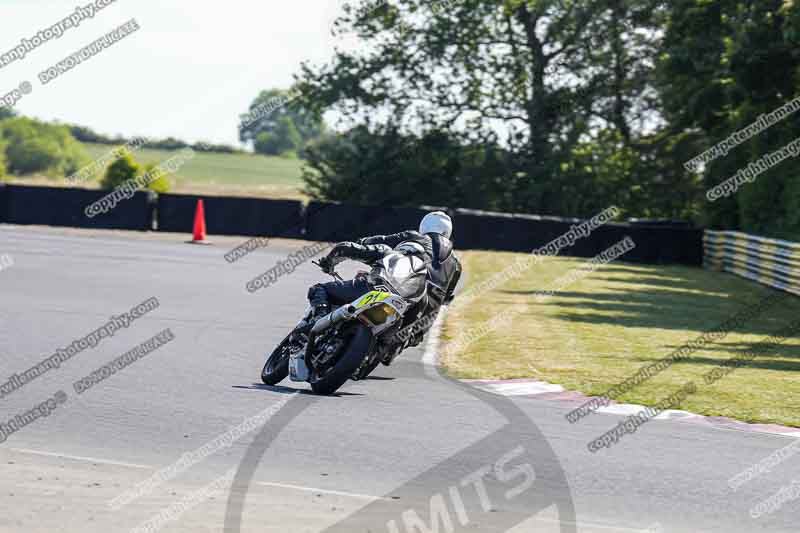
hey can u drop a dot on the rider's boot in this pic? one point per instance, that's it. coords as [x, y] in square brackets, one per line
[318, 312]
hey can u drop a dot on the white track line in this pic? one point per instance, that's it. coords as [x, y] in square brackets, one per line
[81, 458]
[430, 356]
[324, 491]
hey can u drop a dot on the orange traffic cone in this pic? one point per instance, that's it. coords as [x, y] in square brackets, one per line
[199, 233]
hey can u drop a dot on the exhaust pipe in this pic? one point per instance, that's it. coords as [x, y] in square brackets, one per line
[331, 319]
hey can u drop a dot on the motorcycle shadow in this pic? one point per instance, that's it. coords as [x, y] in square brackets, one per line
[282, 389]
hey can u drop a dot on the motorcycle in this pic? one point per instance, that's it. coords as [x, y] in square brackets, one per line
[351, 340]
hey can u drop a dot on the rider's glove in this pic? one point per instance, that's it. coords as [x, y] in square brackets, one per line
[326, 264]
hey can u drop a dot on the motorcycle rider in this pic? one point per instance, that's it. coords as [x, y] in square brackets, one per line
[431, 244]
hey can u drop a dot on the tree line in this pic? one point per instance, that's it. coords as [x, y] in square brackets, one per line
[561, 107]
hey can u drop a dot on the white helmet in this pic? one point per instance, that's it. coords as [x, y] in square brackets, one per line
[436, 222]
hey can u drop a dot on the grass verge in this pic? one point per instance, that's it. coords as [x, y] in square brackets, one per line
[604, 327]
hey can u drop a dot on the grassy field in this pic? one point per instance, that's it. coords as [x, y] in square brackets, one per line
[218, 174]
[604, 327]
[236, 174]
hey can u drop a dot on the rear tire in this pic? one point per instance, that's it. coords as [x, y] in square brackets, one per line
[347, 364]
[277, 366]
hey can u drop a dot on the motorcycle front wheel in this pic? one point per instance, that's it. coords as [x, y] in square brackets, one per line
[277, 366]
[330, 377]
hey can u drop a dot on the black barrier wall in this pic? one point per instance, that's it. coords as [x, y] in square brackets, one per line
[657, 242]
[3, 203]
[338, 222]
[228, 215]
[54, 206]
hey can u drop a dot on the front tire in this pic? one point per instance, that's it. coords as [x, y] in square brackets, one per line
[277, 366]
[347, 364]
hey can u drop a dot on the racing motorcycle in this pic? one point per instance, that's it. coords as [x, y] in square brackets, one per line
[351, 340]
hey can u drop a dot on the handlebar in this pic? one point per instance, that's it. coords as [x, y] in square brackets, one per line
[332, 273]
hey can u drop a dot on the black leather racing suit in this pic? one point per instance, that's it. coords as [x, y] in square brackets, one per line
[444, 271]
[365, 251]
[444, 268]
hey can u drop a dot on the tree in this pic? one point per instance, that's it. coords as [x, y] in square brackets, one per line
[281, 139]
[123, 169]
[34, 146]
[276, 124]
[160, 182]
[536, 77]
[725, 64]
[6, 112]
[382, 166]
[2, 161]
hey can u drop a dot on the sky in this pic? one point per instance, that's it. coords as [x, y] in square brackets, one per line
[189, 71]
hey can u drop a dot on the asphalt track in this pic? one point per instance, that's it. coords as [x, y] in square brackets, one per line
[377, 456]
